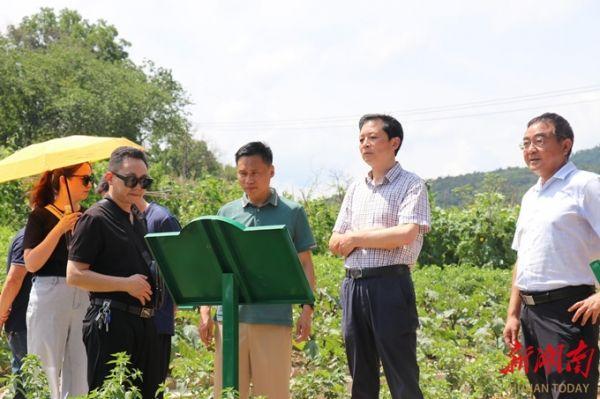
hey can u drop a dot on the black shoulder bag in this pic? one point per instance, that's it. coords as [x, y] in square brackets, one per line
[156, 279]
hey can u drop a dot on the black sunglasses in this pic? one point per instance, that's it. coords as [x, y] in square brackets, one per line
[132, 180]
[86, 179]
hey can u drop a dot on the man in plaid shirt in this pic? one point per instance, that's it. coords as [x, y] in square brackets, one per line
[379, 231]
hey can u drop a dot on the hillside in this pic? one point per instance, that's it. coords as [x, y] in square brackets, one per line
[512, 182]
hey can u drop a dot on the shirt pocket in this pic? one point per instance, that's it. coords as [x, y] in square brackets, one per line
[384, 212]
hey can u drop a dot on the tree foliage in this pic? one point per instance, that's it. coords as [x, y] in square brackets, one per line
[188, 158]
[42, 30]
[62, 75]
[480, 234]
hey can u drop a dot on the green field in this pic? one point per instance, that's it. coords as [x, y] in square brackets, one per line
[460, 348]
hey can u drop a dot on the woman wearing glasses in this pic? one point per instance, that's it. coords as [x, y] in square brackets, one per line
[56, 310]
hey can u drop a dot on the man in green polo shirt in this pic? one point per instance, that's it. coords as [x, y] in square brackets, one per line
[265, 351]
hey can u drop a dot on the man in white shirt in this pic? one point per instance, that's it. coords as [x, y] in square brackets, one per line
[553, 296]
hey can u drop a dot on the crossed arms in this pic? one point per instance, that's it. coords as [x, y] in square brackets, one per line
[380, 238]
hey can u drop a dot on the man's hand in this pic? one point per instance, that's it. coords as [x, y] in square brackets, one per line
[206, 326]
[139, 288]
[304, 324]
[587, 309]
[342, 244]
[511, 331]
[334, 245]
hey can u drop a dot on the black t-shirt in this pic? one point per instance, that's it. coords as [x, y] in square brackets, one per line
[16, 318]
[101, 240]
[40, 223]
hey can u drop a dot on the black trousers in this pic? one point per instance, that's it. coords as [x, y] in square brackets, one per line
[126, 333]
[164, 355]
[550, 336]
[379, 325]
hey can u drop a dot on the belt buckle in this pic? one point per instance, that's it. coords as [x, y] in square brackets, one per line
[356, 273]
[528, 299]
[146, 313]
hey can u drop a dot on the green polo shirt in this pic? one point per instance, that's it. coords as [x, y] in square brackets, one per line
[276, 211]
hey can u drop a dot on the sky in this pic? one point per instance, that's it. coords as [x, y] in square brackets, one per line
[463, 77]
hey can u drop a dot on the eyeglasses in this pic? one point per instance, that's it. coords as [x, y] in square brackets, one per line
[132, 180]
[539, 141]
[86, 179]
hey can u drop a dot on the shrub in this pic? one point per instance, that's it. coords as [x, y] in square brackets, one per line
[480, 234]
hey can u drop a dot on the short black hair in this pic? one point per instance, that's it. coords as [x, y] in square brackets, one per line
[119, 154]
[390, 126]
[255, 148]
[562, 128]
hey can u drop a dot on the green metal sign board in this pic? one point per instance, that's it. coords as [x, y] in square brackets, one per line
[215, 260]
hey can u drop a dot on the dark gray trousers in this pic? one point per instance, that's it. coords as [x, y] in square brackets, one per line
[379, 325]
[550, 334]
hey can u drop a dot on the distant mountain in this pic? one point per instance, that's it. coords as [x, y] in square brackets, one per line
[512, 182]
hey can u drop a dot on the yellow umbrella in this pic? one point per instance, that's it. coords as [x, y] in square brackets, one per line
[58, 153]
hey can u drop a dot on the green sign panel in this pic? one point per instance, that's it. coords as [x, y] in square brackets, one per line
[215, 260]
[263, 259]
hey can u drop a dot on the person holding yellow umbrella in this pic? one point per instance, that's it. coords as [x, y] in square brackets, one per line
[56, 310]
[66, 180]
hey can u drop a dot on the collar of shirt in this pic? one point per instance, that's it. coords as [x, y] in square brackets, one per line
[129, 216]
[272, 199]
[390, 176]
[561, 174]
[122, 212]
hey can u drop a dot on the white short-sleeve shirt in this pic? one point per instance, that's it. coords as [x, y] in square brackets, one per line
[558, 231]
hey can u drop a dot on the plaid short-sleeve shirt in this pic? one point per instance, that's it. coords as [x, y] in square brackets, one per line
[400, 199]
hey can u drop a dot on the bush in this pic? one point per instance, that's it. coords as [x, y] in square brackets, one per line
[322, 214]
[120, 383]
[480, 234]
[32, 382]
[13, 207]
[189, 199]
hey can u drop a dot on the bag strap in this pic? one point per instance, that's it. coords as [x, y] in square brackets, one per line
[107, 204]
[55, 211]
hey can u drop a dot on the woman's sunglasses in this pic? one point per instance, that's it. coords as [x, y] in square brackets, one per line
[131, 180]
[86, 179]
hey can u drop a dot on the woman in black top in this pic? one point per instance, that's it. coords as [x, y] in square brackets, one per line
[56, 310]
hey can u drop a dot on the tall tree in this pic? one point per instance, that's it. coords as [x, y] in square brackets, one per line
[61, 75]
[45, 28]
